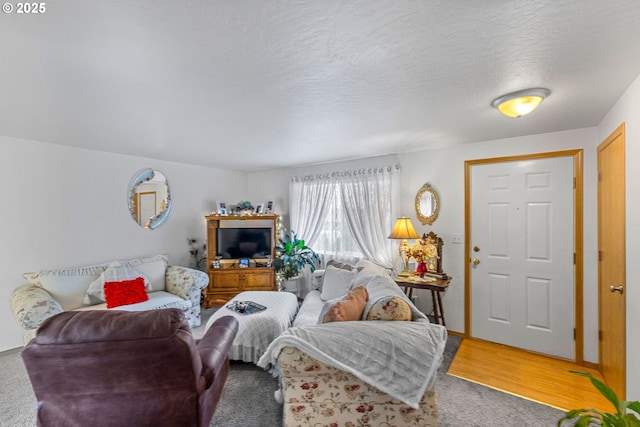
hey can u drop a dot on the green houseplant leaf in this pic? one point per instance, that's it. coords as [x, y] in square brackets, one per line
[244, 205]
[591, 417]
[603, 389]
[292, 255]
[634, 406]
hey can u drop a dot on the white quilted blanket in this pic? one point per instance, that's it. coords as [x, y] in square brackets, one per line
[399, 358]
[257, 330]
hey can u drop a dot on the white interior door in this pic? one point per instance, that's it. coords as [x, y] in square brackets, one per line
[522, 240]
[147, 207]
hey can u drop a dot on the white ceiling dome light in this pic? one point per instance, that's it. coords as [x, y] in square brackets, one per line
[520, 103]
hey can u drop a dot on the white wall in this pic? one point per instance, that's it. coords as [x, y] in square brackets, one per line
[627, 110]
[444, 169]
[66, 207]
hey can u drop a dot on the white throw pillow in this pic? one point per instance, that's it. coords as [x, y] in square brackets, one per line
[67, 290]
[67, 286]
[115, 273]
[153, 269]
[337, 282]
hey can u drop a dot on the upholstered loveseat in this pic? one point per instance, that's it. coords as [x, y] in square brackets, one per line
[361, 373]
[50, 292]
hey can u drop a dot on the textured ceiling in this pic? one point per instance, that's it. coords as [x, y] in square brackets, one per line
[253, 85]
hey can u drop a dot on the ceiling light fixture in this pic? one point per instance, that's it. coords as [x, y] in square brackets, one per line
[520, 103]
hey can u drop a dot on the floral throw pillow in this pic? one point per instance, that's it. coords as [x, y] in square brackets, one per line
[125, 292]
[390, 308]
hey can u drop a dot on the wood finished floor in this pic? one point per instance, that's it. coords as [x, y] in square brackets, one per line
[531, 376]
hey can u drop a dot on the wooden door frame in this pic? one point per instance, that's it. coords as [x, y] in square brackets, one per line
[578, 238]
[619, 132]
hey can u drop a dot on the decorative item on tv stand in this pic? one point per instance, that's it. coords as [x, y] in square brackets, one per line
[245, 207]
[292, 255]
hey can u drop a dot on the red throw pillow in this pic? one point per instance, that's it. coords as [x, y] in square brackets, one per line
[125, 292]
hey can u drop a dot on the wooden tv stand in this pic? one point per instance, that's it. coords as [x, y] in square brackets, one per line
[229, 280]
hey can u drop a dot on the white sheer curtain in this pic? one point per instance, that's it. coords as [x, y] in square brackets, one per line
[348, 215]
[371, 200]
[309, 203]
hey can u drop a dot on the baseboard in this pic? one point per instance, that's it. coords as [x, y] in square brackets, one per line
[11, 351]
[591, 365]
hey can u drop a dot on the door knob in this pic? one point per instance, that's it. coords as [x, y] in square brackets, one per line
[475, 261]
[616, 288]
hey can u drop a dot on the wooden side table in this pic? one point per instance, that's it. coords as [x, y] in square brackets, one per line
[436, 287]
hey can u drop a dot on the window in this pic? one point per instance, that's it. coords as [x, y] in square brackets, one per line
[335, 237]
[347, 215]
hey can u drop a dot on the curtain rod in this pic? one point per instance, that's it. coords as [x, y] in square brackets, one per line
[347, 173]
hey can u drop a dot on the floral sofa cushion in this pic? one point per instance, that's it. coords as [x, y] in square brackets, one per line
[389, 308]
[32, 305]
[317, 394]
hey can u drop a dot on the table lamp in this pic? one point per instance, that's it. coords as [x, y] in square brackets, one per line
[403, 230]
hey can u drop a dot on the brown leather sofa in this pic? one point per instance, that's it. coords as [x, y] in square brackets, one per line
[118, 368]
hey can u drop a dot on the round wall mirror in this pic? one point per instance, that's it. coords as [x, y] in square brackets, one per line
[149, 198]
[427, 204]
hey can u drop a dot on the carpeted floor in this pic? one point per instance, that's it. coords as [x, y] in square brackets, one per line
[247, 399]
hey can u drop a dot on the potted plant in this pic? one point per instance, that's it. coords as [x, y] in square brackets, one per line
[292, 255]
[198, 254]
[593, 417]
[244, 207]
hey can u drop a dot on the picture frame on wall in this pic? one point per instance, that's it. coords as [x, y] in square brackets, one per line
[222, 208]
[258, 209]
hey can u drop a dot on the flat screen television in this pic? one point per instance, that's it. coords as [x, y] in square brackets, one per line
[236, 243]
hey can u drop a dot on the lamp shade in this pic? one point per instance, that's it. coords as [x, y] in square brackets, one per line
[518, 104]
[403, 229]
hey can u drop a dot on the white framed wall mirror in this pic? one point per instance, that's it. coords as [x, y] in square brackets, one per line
[149, 198]
[427, 204]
